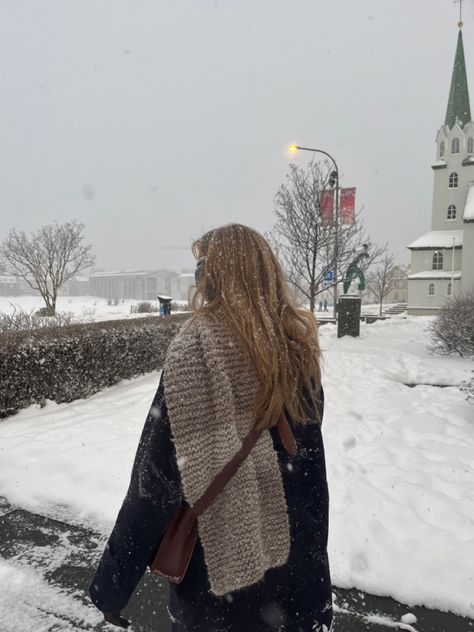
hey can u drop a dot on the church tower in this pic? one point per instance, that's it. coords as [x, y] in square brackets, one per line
[442, 260]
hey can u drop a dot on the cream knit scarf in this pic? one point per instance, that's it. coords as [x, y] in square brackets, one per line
[210, 390]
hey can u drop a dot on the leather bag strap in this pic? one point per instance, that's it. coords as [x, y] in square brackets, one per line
[223, 477]
[286, 436]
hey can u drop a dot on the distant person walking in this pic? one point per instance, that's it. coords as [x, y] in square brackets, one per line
[247, 359]
[325, 304]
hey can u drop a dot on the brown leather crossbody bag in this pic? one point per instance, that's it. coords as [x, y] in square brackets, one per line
[175, 550]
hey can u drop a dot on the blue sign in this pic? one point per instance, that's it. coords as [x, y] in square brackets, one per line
[329, 275]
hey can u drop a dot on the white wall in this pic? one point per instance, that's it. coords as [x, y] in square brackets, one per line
[468, 258]
[419, 298]
[443, 196]
[422, 260]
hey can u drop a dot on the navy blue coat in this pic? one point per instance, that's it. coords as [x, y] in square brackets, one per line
[295, 597]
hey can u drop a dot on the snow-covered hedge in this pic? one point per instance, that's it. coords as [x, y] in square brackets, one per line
[452, 331]
[468, 387]
[67, 363]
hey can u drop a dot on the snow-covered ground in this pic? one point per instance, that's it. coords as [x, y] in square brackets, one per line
[400, 466]
[399, 462]
[28, 602]
[88, 308]
[94, 308]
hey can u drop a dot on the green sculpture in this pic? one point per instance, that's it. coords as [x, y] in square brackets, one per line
[354, 270]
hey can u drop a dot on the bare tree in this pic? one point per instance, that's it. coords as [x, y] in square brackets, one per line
[305, 240]
[383, 279]
[47, 258]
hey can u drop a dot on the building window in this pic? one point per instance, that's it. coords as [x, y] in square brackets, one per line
[455, 145]
[437, 261]
[441, 149]
[450, 288]
[470, 145]
[431, 289]
[453, 180]
[451, 212]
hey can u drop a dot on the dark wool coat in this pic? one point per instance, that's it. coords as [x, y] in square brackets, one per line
[295, 597]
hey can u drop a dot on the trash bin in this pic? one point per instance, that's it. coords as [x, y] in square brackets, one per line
[165, 304]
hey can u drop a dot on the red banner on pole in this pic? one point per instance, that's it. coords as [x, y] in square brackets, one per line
[326, 203]
[347, 210]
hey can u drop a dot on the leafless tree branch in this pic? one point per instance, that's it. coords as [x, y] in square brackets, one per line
[48, 258]
[306, 243]
[383, 278]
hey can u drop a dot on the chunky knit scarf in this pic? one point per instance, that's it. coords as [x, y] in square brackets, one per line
[210, 390]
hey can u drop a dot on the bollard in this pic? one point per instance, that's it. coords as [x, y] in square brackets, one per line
[348, 316]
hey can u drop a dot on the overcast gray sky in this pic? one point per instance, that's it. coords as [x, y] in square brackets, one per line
[152, 120]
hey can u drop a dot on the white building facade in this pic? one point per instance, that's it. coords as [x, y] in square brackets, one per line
[442, 260]
[141, 284]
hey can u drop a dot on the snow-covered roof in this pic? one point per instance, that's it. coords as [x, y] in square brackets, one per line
[117, 273]
[438, 239]
[436, 274]
[469, 206]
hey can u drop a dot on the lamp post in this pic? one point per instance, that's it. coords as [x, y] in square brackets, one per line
[452, 269]
[333, 182]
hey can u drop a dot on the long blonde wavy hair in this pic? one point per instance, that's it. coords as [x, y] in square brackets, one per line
[240, 274]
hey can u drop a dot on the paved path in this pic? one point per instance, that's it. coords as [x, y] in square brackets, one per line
[64, 556]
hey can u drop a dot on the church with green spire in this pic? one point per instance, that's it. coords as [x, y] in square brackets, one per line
[442, 260]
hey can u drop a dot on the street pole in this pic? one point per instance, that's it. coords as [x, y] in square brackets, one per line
[452, 270]
[294, 148]
[336, 244]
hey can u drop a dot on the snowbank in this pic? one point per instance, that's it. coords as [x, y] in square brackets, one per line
[399, 466]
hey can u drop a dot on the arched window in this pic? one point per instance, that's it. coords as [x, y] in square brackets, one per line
[451, 212]
[455, 145]
[453, 180]
[442, 147]
[470, 145]
[450, 289]
[437, 261]
[431, 289]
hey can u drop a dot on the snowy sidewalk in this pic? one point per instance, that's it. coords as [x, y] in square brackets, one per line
[46, 566]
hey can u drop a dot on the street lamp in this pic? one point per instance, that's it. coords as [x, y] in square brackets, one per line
[333, 183]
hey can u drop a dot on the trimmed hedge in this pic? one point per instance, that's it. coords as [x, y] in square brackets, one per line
[67, 363]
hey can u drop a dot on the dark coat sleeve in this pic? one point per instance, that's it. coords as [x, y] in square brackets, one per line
[153, 495]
